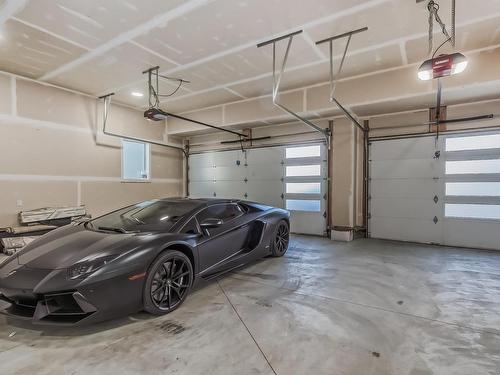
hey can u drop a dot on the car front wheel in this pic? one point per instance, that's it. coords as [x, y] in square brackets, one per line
[168, 283]
[281, 238]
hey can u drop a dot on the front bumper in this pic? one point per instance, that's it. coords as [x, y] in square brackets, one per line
[48, 298]
[55, 308]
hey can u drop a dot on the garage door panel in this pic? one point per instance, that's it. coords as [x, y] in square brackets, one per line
[265, 172]
[472, 233]
[415, 208]
[268, 192]
[232, 173]
[406, 229]
[228, 158]
[201, 189]
[258, 175]
[397, 149]
[230, 189]
[201, 174]
[405, 178]
[407, 188]
[301, 222]
[265, 155]
[409, 168]
[201, 161]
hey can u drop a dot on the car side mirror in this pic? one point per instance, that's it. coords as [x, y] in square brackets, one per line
[211, 223]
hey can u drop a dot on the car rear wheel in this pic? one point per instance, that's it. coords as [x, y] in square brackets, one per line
[281, 239]
[168, 283]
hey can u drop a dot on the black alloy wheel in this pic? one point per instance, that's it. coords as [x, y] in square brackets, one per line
[168, 283]
[281, 239]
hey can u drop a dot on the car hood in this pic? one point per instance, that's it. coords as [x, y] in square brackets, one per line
[68, 245]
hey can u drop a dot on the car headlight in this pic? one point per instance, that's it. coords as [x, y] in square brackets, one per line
[85, 268]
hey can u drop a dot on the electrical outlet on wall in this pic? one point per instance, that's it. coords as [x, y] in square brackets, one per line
[19, 203]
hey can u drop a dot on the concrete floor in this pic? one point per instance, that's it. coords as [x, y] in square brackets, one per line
[365, 307]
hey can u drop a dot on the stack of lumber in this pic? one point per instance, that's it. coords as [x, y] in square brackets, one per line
[35, 223]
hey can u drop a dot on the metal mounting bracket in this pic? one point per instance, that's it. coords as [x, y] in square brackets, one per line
[154, 102]
[334, 77]
[107, 102]
[277, 81]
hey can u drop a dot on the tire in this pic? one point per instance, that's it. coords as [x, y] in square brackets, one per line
[163, 291]
[280, 239]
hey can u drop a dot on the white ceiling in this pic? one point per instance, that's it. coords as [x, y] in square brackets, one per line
[101, 46]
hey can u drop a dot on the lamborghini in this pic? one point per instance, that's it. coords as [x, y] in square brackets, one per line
[147, 256]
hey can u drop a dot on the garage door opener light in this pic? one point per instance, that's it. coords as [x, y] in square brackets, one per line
[442, 66]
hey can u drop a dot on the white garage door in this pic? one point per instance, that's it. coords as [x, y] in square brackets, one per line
[444, 191]
[291, 177]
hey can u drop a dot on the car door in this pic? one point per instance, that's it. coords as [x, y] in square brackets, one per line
[219, 245]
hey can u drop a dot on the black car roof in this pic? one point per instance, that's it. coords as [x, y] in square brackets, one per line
[201, 201]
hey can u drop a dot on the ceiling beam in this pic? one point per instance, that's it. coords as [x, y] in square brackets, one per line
[128, 36]
[10, 8]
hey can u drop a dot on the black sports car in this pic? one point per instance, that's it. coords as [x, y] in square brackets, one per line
[143, 257]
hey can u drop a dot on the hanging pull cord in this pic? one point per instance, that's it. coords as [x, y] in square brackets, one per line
[431, 29]
[433, 8]
[453, 23]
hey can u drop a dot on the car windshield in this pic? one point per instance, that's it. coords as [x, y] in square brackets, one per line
[152, 215]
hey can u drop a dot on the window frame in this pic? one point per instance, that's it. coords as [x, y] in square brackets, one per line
[294, 173]
[197, 225]
[147, 156]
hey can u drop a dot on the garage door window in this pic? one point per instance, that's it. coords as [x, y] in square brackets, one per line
[303, 170]
[303, 188]
[474, 171]
[473, 166]
[303, 152]
[135, 161]
[480, 142]
[303, 205]
[473, 211]
[473, 189]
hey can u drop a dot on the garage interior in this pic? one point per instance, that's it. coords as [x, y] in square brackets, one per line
[374, 122]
